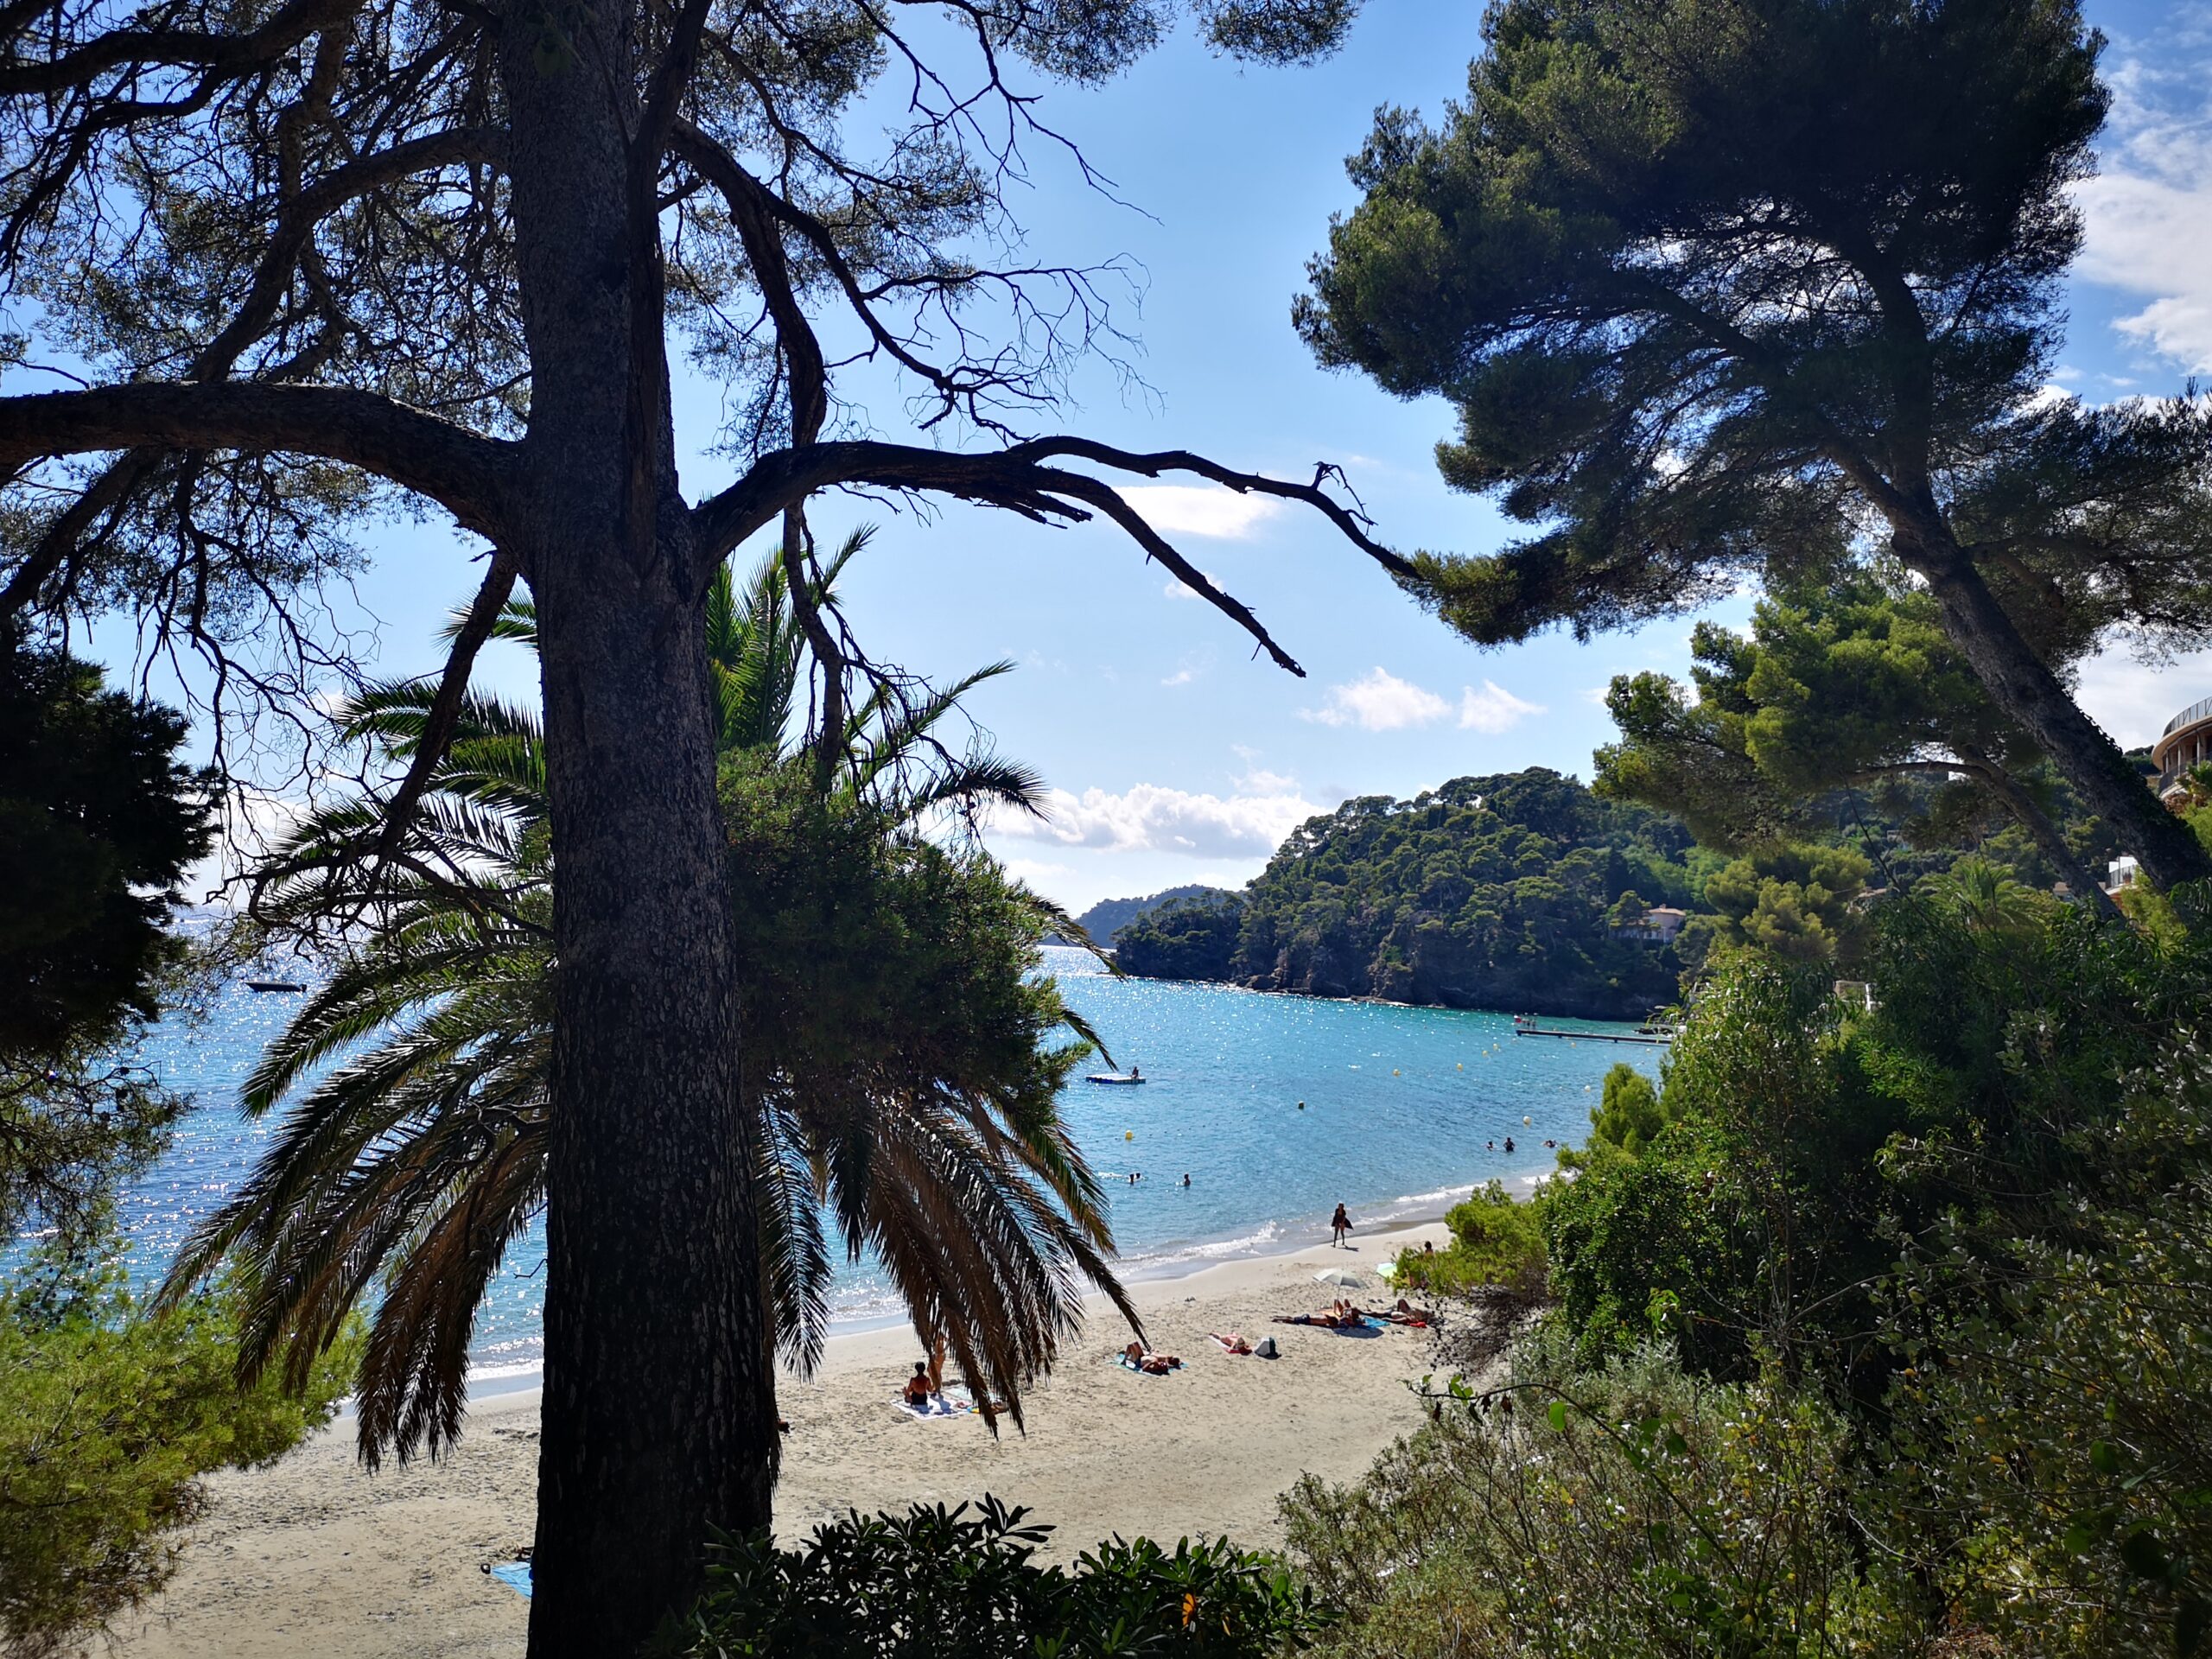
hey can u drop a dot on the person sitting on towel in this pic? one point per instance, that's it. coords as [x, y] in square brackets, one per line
[917, 1391]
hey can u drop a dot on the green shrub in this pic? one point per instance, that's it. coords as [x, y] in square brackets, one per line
[2050, 1463]
[109, 1415]
[1495, 1241]
[955, 1584]
[1628, 1511]
[1661, 1245]
[1628, 1119]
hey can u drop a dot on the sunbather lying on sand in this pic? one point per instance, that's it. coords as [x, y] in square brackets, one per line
[1230, 1340]
[1404, 1314]
[1334, 1318]
[1136, 1359]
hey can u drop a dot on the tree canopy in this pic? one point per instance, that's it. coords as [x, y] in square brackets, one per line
[1730, 288]
[98, 821]
[1848, 685]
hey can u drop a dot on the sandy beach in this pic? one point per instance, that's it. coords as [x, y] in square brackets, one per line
[317, 1556]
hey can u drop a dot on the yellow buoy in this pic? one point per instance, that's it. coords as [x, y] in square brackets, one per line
[1463, 1065]
[1524, 1122]
[1395, 1071]
[1128, 1135]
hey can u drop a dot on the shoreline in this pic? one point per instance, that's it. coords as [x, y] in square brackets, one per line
[316, 1553]
[1360, 999]
[530, 1377]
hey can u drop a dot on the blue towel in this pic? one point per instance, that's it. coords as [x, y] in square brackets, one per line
[515, 1575]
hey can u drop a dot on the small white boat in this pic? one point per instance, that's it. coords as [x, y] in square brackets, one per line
[1115, 1078]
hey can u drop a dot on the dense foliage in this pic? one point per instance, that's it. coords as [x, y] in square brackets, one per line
[1109, 916]
[1880, 1327]
[948, 1584]
[109, 1416]
[1495, 893]
[1722, 289]
[1192, 936]
[1844, 702]
[98, 821]
[1495, 1241]
[1626, 1510]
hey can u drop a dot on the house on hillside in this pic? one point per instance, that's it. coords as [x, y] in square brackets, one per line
[1657, 925]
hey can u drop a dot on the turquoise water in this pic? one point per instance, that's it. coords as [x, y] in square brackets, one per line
[1405, 1110]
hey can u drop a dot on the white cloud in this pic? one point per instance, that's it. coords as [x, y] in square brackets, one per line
[2132, 700]
[1151, 818]
[1493, 709]
[1180, 677]
[1200, 509]
[1259, 782]
[1183, 590]
[1379, 702]
[2147, 218]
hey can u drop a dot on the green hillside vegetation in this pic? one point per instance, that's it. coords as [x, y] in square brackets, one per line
[1499, 892]
[1109, 916]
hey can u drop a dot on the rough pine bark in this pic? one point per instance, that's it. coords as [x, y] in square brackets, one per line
[658, 1415]
[2021, 683]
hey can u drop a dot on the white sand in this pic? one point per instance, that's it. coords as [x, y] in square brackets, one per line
[317, 1557]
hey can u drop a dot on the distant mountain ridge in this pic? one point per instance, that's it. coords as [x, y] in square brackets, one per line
[1109, 916]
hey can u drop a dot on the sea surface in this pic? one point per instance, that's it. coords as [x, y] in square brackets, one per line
[1278, 1108]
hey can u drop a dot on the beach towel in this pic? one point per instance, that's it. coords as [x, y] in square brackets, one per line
[1128, 1364]
[940, 1406]
[514, 1574]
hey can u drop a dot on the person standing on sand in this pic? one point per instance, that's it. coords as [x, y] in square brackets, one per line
[1339, 1224]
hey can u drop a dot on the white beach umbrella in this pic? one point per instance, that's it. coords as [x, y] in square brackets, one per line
[1343, 1278]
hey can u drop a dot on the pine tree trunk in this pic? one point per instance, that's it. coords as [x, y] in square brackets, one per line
[658, 1415]
[2020, 683]
[2046, 834]
[659, 1407]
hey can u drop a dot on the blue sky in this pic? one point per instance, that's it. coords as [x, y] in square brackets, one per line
[1177, 757]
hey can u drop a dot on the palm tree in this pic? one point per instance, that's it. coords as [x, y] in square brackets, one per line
[900, 1058]
[1988, 898]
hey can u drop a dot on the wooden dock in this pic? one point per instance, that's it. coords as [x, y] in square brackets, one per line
[1587, 1036]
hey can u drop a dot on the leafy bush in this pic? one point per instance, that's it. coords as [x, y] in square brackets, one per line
[952, 1584]
[1628, 1118]
[1627, 1512]
[108, 1418]
[2051, 1462]
[1495, 1241]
